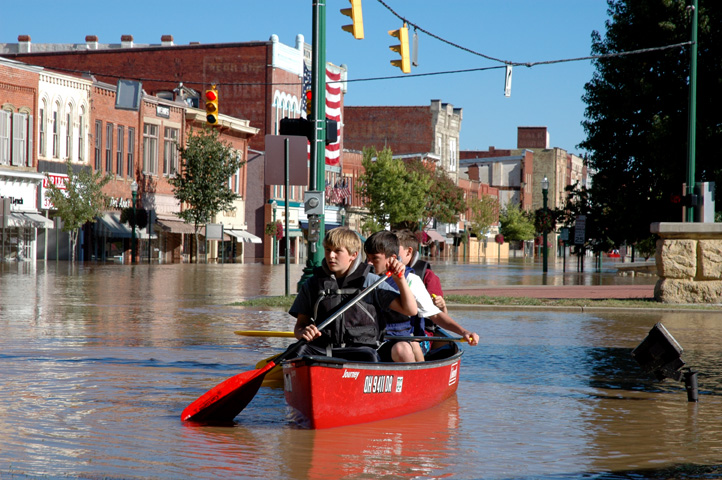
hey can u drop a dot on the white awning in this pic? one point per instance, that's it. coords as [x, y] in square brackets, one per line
[31, 220]
[435, 236]
[109, 226]
[243, 236]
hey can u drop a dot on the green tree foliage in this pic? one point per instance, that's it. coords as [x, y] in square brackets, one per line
[395, 195]
[636, 119]
[484, 213]
[80, 202]
[516, 225]
[445, 199]
[202, 184]
[596, 229]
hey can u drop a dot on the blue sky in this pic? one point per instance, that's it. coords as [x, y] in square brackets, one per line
[511, 30]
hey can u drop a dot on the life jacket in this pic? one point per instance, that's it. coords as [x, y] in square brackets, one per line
[398, 324]
[419, 266]
[359, 325]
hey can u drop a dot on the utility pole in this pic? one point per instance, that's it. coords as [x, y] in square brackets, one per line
[317, 174]
[692, 120]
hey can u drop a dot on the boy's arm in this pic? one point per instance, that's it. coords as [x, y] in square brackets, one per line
[446, 322]
[406, 303]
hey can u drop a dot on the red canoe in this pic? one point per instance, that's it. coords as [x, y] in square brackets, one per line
[331, 392]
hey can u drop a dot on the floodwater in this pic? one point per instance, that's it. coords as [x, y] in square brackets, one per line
[98, 362]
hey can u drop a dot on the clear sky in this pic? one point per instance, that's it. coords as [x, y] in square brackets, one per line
[510, 30]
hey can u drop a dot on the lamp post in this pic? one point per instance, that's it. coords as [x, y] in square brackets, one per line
[274, 204]
[342, 212]
[545, 191]
[134, 193]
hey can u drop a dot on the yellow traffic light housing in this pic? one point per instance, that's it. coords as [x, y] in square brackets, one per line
[211, 97]
[357, 27]
[309, 103]
[402, 48]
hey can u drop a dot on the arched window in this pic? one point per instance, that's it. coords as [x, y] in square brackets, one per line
[69, 131]
[54, 130]
[43, 131]
[81, 134]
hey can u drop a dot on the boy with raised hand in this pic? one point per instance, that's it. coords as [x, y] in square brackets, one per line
[382, 249]
[341, 276]
[409, 245]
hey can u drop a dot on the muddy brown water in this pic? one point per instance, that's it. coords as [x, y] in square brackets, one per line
[98, 362]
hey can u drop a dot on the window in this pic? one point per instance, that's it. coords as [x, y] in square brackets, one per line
[5, 122]
[81, 135]
[68, 134]
[119, 151]
[452, 154]
[20, 139]
[41, 120]
[98, 142]
[170, 151]
[150, 148]
[54, 129]
[131, 149]
[109, 147]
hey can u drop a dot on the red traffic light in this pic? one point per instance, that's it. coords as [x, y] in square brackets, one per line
[211, 95]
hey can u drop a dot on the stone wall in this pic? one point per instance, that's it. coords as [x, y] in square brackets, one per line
[689, 262]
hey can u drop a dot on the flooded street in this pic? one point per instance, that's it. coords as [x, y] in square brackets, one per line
[98, 362]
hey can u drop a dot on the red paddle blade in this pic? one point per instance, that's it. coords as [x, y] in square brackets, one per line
[226, 400]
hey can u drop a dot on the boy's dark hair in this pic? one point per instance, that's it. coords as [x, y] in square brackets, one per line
[407, 239]
[384, 242]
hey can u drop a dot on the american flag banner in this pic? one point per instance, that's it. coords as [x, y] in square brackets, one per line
[333, 109]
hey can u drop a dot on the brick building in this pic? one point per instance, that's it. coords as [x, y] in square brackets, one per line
[258, 81]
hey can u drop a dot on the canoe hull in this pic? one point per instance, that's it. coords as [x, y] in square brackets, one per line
[329, 392]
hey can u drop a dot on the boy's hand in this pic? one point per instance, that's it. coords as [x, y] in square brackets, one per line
[397, 268]
[472, 338]
[308, 333]
[439, 302]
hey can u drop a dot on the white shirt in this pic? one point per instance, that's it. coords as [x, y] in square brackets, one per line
[423, 300]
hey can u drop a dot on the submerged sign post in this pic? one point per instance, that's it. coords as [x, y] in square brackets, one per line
[579, 230]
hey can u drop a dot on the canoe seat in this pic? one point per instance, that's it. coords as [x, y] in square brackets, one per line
[357, 354]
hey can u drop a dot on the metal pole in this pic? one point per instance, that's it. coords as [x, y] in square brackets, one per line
[692, 120]
[132, 233]
[286, 148]
[317, 173]
[544, 237]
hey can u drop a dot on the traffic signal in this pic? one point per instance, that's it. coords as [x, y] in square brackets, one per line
[309, 103]
[402, 48]
[212, 105]
[357, 27]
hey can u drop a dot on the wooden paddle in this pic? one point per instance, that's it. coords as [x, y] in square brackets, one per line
[264, 333]
[222, 403]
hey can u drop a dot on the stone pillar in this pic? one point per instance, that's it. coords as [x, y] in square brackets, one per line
[689, 262]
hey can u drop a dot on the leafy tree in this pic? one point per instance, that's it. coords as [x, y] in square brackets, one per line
[445, 200]
[80, 202]
[579, 202]
[484, 213]
[636, 119]
[396, 195]
[202, 184]
[516, 224]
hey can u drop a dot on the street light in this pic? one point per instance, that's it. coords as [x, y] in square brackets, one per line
[134, 193]
[274, 204]
[342, 212]
[545, 191]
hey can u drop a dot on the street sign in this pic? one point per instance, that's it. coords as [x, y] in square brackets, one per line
[579, 227]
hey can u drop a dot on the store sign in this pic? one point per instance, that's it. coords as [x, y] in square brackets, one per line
[115, 202]
[162, 111]
[57, 179]
[22, 196]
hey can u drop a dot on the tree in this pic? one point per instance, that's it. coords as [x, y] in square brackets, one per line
[516, 224]
[202, 184]
[636, 119]
[81, 202]
[445, 199]
[484, 212]
[579, 202]
[396, 195]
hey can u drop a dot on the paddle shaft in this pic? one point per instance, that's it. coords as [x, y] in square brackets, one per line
[264, 333]
[424, 339]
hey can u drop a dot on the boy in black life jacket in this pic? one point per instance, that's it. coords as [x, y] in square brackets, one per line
[341, 276]
[409, 247]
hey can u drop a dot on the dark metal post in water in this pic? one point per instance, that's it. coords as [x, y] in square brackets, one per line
[690, 384]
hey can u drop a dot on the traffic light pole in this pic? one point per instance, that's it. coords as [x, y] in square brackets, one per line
[692, 120]
[317, 174]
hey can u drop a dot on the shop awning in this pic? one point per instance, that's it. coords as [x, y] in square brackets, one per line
[243, 236]
[176, 226]
[108, 225]
[31, 220]
[435, 236]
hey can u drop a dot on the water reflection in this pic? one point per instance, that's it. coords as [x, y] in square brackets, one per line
[99, 361]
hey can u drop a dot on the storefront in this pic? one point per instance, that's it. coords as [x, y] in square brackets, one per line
[20, 191]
